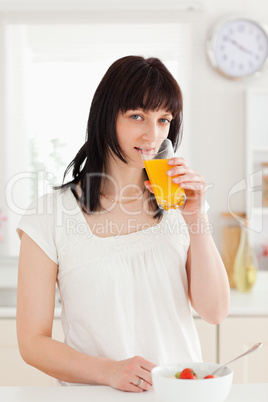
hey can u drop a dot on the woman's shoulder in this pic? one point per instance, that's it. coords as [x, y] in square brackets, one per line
[45, 209]
[58, 195]
[39, 223]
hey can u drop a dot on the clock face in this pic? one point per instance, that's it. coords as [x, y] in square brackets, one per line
[240, 48]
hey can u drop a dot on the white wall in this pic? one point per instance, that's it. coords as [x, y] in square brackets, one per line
[218, 113]
[217, 105]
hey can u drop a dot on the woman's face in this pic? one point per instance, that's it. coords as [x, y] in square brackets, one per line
[135, 127]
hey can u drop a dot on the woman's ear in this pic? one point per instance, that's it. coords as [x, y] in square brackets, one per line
[148, 186]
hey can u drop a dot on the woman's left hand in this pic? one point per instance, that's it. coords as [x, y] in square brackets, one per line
[191, 181]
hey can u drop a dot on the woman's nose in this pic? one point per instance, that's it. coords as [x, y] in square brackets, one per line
[151, 132]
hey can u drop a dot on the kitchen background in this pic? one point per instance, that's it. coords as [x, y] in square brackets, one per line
[53, 54]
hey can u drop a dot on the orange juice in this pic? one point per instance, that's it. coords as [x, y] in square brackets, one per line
[168, 194]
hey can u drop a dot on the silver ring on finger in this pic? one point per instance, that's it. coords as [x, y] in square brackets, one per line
[139, 382]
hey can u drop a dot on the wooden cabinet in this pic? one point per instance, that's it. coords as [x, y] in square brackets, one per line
[256, 174]
[219, 343]
[236, 335]
[13, 370]
[208, 339]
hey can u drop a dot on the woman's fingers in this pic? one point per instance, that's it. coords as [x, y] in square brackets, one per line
[144, 369]
[177, 170]
[185, 177]
[181, 171]
[132, 388]
[188, 178]
[142, 384]
[145, 375]
[177, 161]
[132, 375]
[196, 187]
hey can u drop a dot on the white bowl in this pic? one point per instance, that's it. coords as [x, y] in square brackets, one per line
[170, 389]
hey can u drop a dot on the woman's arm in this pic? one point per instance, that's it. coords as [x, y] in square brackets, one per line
[209, 290]
[35, 313]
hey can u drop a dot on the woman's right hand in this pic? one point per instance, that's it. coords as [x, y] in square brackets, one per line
[126, 374]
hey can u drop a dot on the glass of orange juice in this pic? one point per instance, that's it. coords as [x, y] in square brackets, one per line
[155, 155]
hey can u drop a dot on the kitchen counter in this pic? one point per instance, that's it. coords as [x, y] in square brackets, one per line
[239, 392]
[250, 304]
[253, 303]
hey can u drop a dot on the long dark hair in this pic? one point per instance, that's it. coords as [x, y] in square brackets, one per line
[131, 82]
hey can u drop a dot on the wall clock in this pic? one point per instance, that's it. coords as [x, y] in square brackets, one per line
[237, 47]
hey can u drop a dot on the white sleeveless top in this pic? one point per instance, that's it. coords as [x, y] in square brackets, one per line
[123, 295]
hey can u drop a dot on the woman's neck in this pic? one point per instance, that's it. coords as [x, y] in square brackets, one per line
[123, 180]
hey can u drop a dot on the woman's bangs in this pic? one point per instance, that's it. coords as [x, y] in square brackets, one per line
[153, 97]
[161, 98]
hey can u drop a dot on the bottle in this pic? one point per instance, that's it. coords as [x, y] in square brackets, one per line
[265, 184]
[246, 263]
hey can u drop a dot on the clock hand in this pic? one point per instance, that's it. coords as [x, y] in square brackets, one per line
[241, 47]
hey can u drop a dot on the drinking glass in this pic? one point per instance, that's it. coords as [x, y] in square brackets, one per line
[155, 155]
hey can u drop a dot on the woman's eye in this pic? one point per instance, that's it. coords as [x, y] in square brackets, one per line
[136, 117]
[165, 121]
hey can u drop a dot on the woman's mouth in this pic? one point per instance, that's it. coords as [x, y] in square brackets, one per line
[145, 151]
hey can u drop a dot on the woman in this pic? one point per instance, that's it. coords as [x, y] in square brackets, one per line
[127, 271]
